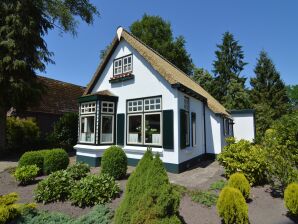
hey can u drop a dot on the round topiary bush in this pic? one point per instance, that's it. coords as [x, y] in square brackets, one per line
[54, 160]
[239, 181]
[231, 206]
[114, 162]
[32, 158]
[291, 198]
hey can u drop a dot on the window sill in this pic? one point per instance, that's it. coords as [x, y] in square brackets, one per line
[121, 77]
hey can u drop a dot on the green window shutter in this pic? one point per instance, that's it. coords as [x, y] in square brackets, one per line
[182, 129]
[168, 129]
[120, 129]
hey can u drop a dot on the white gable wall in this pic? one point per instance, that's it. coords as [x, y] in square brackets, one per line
[147, 82]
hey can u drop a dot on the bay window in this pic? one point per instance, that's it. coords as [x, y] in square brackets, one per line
[107, 122]
[144, 121]
[87, 125]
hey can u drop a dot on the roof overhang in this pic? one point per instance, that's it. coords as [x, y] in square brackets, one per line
[189, 92]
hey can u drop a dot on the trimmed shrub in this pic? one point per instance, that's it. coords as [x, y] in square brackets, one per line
[56, 187]
[21, 134]
[114, 162]
[26, 174]
[32, 158]
[239, 181]
[291, 198]
[9, 210]
[149, 197]
[78, 170]
[245, 158]
[54, 160]
[94, 189]
[99, 214]
[231, 206]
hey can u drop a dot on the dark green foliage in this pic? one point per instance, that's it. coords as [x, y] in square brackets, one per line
[149, 197]
[94, 189]
[231, 206]
[291, 198]
[246, 158]
[28, 22]
[204, 79]
[21, 134]
[99, 215]
[281, 144]
[65, 131]
[32, 158]
[206, 198]
[228, 86]
[26, 174]
[292, 91]
[114, 162]
[56, 187]
[54, 160]
[239, 181]
[218, 185]
[157, 34]
[78, 171]
[268, 94]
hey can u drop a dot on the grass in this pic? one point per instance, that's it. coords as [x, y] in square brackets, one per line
[218, 185]
[206, 198]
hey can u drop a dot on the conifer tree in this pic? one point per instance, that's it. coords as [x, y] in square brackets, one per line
[268, 94]
[204, 79]
[228, 65]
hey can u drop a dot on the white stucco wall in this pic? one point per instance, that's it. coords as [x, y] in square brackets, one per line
[197, 107]
[244, 126]
[147, 82]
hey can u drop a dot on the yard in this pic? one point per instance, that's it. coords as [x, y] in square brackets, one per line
[263, 207]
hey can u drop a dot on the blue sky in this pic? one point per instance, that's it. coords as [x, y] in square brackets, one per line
[271, 25]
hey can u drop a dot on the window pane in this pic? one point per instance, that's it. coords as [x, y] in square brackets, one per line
[135, 129]
[87, 129]
[107, 129]
[152, 129]
[187, 129]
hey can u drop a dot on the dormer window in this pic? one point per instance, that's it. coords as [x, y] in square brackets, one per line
[123, 65]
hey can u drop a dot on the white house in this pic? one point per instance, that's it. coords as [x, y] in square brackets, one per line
[137, 99]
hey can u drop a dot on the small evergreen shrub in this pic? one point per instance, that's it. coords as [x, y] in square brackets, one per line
[231, 206]
[78, 170]
[54, 160]
[149, 197]
[56, 187]
[94, 189]
[114, 162]
[291, 198]
[32, 158]
[239, 181]
[99, 214]
[26, 174]
[9, 210]
[245, 158]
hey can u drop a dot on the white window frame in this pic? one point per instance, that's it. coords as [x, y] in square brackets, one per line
[144, 128]
[113, 117]
[84, 106]
[116, 68]
[108, 107]
[154, 104]
[85, 116]
[128, 64]
[137, 106]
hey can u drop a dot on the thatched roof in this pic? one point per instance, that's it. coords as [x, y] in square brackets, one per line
[165, 68]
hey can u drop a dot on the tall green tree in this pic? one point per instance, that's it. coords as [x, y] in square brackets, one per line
[157, 34]
[268, 94]
[204, 79]
[23, 50]
[228, 65]
[292, 91]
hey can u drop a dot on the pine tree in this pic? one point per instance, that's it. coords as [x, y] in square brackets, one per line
[23, 51]
[204, 79]
[268, 94]
[228, 65]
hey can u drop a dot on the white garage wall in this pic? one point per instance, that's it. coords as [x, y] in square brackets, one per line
[244, 126]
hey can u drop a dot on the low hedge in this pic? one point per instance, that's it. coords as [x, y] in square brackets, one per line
[114, 162]
[78, 170]
[47, 160]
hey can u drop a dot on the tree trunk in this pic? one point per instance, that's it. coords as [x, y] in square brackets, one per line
[2, 131]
